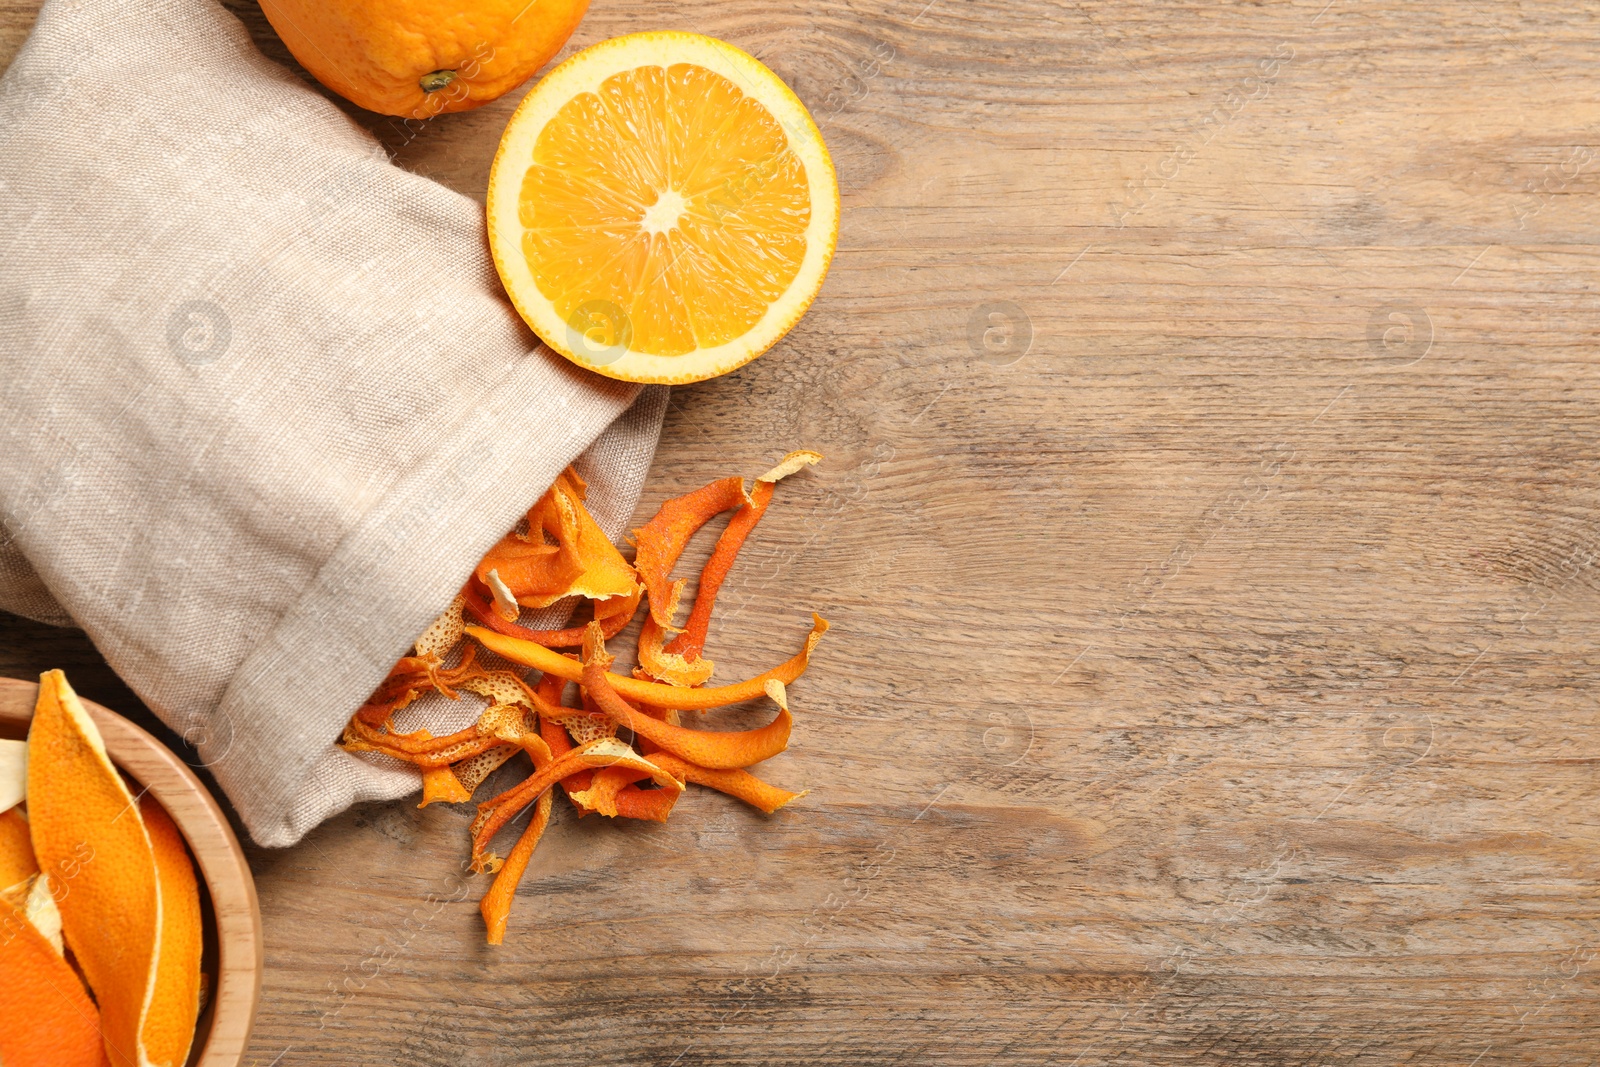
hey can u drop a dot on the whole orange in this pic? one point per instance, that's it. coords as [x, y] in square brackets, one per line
[420, 58]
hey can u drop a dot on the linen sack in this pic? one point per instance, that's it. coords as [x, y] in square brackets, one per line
[262, 402]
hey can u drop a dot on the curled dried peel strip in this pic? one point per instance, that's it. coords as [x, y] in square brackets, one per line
[678, 662]
[444, 633]
[704, 747]
[734, 782]
[692, 641]
[441, 786]
[496, 903]
[614, 613]
[531, 654]
[659, 542]
[420, 748]
[409, 678]
[667, 665]
[795, 461]
[606, 752]
[688, 644]
[601, 796]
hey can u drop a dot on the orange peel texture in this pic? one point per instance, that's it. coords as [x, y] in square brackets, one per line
[175, 1000]
[89, 838]
[692, 641]
[716, 750]
[734, 782]
[532, 654]
[17, 862]
[46, 1016]
[494, 814]
[659, 542]
[564, 553]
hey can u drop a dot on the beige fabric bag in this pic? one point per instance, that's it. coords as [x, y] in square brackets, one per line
[262, 402]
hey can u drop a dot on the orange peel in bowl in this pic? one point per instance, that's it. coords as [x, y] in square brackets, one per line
[46, 1016]
[17, 862]
[175, 998]
[90, 840]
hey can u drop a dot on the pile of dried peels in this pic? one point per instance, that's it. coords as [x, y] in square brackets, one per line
[623, 750]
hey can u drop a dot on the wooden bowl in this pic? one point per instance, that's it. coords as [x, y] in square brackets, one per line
[233, 921]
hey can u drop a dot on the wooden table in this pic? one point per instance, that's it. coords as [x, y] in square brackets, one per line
[1209, 527]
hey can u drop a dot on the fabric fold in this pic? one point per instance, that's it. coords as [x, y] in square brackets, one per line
[262, 401]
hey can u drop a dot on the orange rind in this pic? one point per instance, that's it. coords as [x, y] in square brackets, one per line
[659, 542]
[91, 841]
[623, 752]
[735, 782]
[704, 747]
[530, 654]
[175, 1000]
[46, 1016]
[17, 862]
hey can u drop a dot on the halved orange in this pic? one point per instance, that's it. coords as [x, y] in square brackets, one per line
[662, 208]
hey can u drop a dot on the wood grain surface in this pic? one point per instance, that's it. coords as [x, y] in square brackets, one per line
[1209, 528]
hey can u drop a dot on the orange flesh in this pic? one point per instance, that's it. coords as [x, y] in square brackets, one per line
[626, 207]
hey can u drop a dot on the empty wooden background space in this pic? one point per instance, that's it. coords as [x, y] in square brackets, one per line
[1209, 527]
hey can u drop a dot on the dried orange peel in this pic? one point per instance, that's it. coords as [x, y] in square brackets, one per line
[623, 752]
[692, 640]
[564, 553]
[605, 752]
[704, 747]
[530, 654]
[734, 782]
[659, 542]
[17, 862]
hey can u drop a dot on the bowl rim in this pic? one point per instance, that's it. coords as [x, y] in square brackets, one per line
[216, 852]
